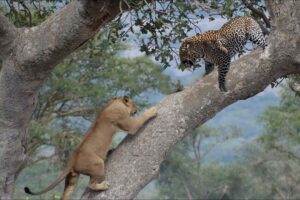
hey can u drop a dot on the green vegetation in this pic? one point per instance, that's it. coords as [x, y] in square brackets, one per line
[157, 28]
[266, 168]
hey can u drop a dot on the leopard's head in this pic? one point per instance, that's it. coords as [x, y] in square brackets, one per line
[189, 53]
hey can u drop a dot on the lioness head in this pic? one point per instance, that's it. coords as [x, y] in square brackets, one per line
[121, 105]
[130, 104]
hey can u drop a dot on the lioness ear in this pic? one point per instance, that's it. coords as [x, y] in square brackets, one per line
[125, 99]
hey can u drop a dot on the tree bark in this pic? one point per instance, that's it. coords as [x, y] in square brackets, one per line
[294, 85]
[8, 34]
[136, 161]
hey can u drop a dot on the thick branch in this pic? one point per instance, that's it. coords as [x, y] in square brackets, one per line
[8, 33]
[42, 47]
[257, 12]
[64, 32]
[136, 161]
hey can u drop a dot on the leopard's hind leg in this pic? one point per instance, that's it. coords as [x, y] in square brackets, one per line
[223, 68]
[256, 36]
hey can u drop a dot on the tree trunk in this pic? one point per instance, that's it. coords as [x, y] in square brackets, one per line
[28, 55]
[136, 161]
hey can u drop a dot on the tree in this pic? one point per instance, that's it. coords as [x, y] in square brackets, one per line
[282, 124]
[277, 158]
[281, 137]
[29, 55]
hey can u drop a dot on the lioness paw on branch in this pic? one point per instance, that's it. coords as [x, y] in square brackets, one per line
[88, 157]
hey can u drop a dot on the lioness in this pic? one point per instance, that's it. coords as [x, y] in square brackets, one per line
[88, 157]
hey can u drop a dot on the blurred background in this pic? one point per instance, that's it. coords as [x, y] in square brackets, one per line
[250, 150]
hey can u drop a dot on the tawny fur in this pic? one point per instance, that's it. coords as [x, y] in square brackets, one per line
[88, 157]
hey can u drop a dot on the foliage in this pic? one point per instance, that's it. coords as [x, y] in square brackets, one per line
[282, 124]
[158, 28]
[259, 173]
[185, 175]
[161, 26]
[30, 13]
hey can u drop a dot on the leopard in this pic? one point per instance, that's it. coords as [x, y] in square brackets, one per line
[88, 158]
[218, 47]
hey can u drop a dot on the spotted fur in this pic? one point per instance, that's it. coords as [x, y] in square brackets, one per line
[218, 47]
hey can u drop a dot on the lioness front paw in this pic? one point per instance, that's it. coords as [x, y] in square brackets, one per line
[152, 112]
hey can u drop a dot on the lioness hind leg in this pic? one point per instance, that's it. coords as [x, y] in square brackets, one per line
[96, 174]
[93, 185]
[70, 185]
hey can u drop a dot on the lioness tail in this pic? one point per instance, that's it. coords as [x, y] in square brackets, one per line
[50, 187]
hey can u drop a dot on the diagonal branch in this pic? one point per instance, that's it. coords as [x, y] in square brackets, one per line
[136, 161]
[8, 33]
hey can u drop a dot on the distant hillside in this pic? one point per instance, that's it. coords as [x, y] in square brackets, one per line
[244, 114]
